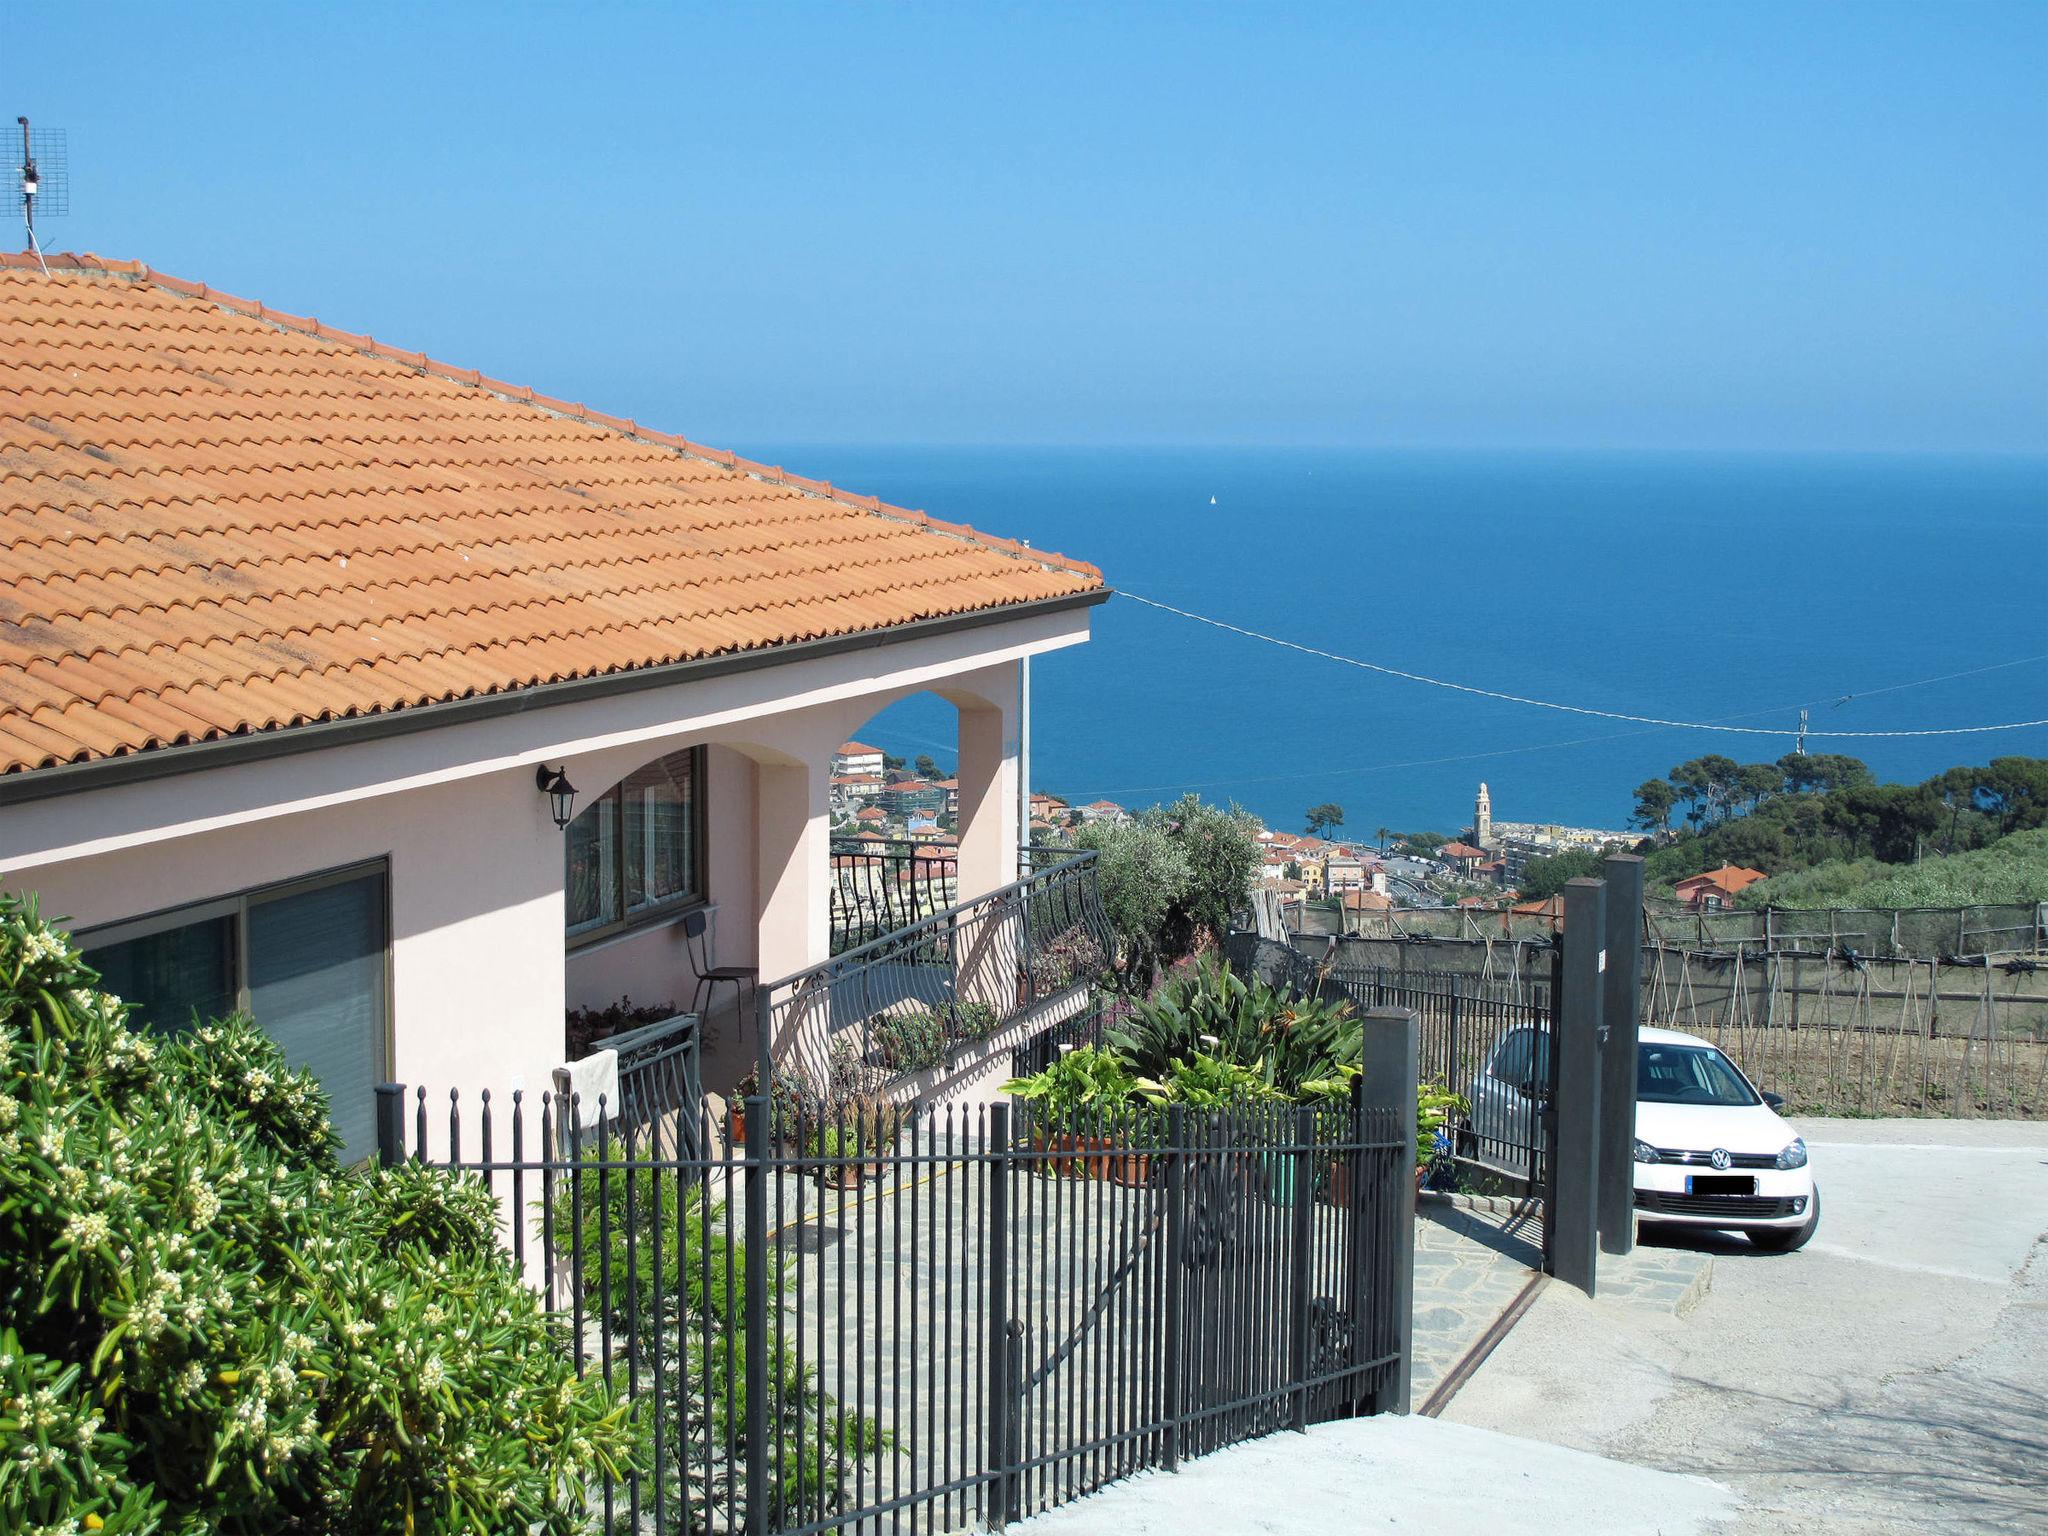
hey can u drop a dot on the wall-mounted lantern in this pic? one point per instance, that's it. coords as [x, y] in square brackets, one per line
[554, 783]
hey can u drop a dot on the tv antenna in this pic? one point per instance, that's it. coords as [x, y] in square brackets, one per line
[43, 179]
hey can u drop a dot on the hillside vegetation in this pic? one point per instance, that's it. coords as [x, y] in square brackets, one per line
[1825, 814]
[2012, 870]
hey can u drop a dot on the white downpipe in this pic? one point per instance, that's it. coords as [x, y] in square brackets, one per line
[1024, 750]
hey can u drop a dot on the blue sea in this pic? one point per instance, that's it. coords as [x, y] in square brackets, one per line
[1731, 588]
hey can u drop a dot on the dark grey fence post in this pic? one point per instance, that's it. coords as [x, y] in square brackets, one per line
[390, 1124]
[1174, 1363]
[1302, 1272]
[1574, 1212]
[1621, 1013]
[1390, 1067]
[1453, 1073]
[1000, 1387]
[756, 1172]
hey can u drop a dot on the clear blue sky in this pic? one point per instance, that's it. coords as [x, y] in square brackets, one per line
[1730, 225]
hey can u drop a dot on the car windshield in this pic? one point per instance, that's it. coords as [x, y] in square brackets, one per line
[1689, 1074]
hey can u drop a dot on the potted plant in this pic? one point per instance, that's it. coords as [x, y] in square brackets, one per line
[837, 1148]
[1068, 1102]
[584, 1029]
[877, 1123]
[785, 1103]
[908, 1041]
[971, 1021]
[1213, 1086]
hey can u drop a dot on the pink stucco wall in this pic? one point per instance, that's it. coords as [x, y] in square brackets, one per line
[479, 980]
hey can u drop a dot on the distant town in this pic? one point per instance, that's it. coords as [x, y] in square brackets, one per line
[908, 807]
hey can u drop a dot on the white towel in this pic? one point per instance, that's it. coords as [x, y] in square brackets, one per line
[595, 1076]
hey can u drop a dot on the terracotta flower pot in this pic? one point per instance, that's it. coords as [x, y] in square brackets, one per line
[1093, 1164]
[1132, 1170]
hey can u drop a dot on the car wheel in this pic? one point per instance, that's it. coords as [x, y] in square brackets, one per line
[1789, 1239]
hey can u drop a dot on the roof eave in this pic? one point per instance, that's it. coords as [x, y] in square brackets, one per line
[255, 746]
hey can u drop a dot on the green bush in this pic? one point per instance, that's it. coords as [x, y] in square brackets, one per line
[207, 1325]
[2014, 869]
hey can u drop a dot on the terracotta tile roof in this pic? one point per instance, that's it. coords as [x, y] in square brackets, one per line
[217, 519]
[1460, 851]
[858, 749]
[1729, 879]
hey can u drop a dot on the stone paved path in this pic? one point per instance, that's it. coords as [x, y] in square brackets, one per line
[1473, 1258]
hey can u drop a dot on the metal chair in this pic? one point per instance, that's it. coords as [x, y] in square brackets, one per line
[741, 978]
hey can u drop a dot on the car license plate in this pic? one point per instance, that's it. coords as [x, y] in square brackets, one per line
[1718, 1184]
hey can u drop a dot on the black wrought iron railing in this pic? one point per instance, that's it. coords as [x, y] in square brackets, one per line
[910, 1002]
[881, 886]
[951, 1320]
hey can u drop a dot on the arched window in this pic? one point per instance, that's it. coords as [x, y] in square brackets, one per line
[637, 851]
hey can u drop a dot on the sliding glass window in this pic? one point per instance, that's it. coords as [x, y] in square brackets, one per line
[636, 852]
[307, 960]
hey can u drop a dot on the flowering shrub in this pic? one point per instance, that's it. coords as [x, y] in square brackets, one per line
[206, 1324]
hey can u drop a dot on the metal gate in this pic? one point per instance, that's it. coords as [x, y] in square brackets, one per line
[844, 1318]
[1222, 1276]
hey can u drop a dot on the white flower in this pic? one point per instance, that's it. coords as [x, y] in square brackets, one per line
[87, 1229]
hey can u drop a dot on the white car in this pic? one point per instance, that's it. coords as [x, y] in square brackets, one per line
[1710, 1150]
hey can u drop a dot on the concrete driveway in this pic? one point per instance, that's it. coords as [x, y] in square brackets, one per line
[1891, 1377]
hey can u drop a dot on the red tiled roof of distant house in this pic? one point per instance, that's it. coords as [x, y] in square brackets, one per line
[1474, 901]
[1285, 886]
[858, 749]
[872, 837]
[1460, 851]
[1728, 879]
[863, 779]
[220, 520]
[871, 813]
[1367, 901]
[1102, 805]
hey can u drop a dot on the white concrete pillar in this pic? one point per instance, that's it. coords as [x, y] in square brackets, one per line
[989, 748]
[794, 864]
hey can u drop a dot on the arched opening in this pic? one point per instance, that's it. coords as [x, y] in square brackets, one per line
[895, 820]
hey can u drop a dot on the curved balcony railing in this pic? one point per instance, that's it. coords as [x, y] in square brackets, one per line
[907, 1006]
[880, 887]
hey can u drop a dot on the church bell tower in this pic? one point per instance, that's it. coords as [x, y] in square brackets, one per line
[1482, 819]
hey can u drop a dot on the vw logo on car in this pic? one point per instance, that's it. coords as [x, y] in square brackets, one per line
[1719, 1158]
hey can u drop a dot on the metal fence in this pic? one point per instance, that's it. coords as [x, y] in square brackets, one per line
[1926, 933]
[1845, 1034]
[1921, 933]
[902, 1011]
[963, 1318]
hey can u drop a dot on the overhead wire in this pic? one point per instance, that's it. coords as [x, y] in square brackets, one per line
[1582, 709]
